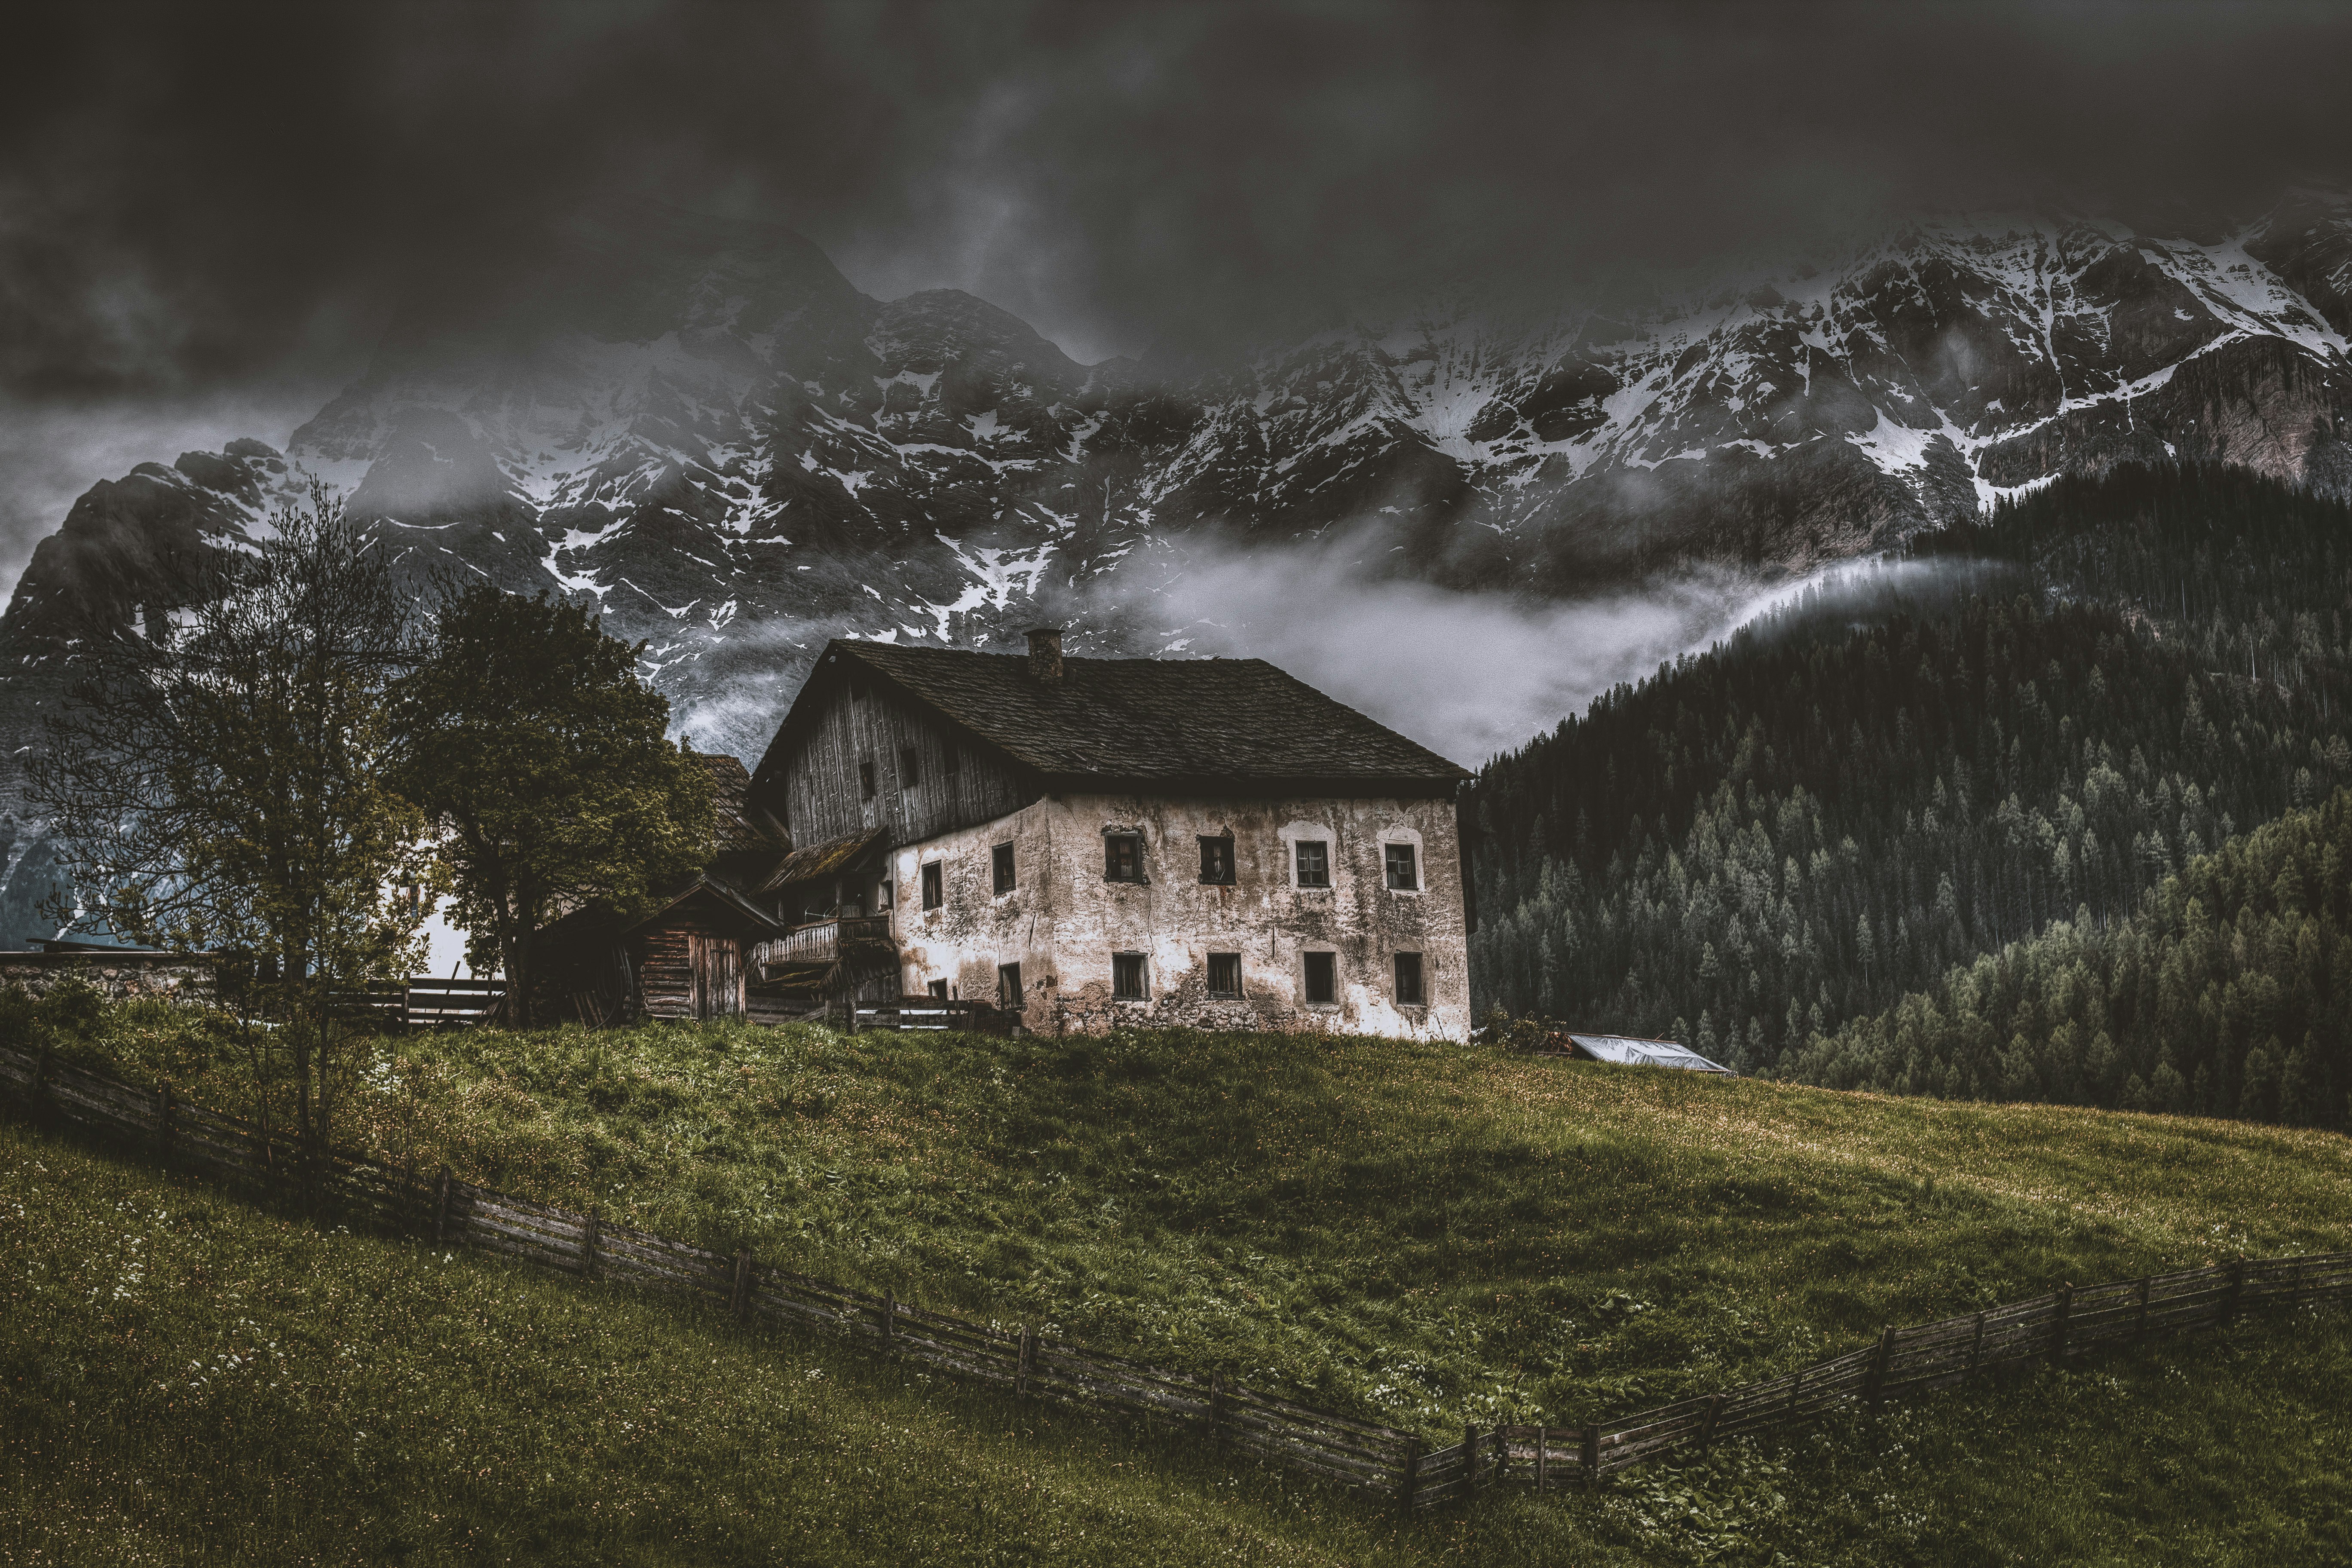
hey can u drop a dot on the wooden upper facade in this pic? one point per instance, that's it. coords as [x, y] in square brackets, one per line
[919, 742]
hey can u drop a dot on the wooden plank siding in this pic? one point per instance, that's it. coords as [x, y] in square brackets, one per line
[822, 794]
[672, 984]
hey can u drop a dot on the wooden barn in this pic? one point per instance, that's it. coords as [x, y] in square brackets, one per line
[694, 955]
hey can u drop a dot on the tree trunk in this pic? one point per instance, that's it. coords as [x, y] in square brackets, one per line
[513, 944]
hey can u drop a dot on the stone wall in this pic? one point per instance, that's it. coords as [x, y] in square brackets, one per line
[1064, 920]
[176, 976]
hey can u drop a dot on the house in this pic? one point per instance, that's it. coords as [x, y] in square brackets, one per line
[1091, 842]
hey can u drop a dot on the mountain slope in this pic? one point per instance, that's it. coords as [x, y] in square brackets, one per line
[1843, 801]
[700, 425]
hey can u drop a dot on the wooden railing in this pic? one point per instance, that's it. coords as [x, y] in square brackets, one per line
[1377, 1461]
[821, 945]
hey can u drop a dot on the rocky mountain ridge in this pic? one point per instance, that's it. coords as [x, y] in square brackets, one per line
[702, 427]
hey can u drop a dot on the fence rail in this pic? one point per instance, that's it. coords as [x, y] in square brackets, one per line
[1377, 1461]
[423, 1002]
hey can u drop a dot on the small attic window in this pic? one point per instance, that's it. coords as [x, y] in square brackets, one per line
[910, 767]
[865, 779]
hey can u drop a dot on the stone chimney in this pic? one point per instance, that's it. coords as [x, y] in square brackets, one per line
[1046, 653]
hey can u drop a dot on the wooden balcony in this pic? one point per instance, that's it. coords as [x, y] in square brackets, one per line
[825, 951]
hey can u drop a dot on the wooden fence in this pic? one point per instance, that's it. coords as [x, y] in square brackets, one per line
[424, 1003]
[1379, 1461]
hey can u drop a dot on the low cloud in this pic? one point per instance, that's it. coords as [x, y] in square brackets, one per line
[1468, 674]
[52, 454]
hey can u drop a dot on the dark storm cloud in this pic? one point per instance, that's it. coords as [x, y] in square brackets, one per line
[192, 197]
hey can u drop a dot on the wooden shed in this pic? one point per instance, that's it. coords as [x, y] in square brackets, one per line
[686, 959]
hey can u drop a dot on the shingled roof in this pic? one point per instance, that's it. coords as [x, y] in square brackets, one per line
[1181, 722]
[730, 792]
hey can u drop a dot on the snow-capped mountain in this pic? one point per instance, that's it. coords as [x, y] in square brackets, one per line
[700, 424]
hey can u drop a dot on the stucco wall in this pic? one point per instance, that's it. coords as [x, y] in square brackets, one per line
[1064, 922]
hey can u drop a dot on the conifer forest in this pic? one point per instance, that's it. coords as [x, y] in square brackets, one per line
[2046, 810]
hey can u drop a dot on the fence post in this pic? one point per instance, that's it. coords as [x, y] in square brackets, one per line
[1217, 1411]
[1543, 1456]
[1796, 1387]
[2058, 1325]
[1714, 1413]
[1590, 1457]
[2237, 1290]
[1976, 1348]
[588, 1246]
[1409, 1482]
[741, 1297]
[889, 1316]
[1021, 1371]
[1469, 1458]
[1875, 1394]
[441, 1209]
[2139, 1321]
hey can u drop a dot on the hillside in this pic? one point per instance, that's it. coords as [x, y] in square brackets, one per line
[1424, 1232]
[2044, 716]
[2229, 994]
[1430, 1233]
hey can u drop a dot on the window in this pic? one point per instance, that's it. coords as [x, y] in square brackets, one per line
[1126, 978]
[1008, 987]
[910, 767]
[1408, 980]
[1004, 857]
[1225, 975]
[865, 781]
[935, 892]
[939, 989]
[882, 894]
[1314, 863]
[1217, 861]
[1404, 875]
[1123, 857]
[1322, 979]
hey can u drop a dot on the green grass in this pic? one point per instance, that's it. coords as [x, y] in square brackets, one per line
[184, 1378]
[1426, 1234]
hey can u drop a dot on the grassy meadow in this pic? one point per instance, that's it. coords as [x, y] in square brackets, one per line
[186, 1379]
[1425, 1234]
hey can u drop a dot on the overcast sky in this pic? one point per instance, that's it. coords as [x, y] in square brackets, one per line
[203, 210]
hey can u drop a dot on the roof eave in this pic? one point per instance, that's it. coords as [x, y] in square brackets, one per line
[1375, 787]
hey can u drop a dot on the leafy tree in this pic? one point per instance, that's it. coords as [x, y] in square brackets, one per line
[540, 760]
[217, 777]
